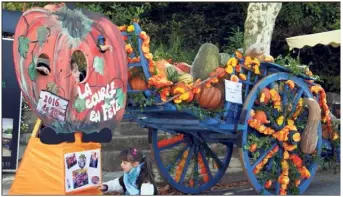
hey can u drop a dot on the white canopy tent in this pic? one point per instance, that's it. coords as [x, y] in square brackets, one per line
[332, 38]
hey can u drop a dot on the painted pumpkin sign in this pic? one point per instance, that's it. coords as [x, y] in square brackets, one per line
[71, 66]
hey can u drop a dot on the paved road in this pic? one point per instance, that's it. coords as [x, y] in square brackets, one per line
[324, 183]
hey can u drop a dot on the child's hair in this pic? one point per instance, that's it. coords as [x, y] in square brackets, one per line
[133, 155]
[72, 62]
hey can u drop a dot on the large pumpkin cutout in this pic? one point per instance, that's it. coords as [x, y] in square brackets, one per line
[64, 97]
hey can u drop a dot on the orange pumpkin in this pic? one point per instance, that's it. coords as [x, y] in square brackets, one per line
[261, 116]
[234, 78]
[137, 83]
[209, 98]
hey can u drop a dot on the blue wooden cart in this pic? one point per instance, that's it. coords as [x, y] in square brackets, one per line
[202, 145]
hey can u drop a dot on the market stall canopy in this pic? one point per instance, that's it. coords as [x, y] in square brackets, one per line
[332, 38]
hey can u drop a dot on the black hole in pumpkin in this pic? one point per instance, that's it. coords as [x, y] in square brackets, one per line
[43, 64]
[78, 65]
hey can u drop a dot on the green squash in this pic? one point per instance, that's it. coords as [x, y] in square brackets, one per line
[205, 62]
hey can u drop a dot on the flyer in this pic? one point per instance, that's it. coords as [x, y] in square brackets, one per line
[233, 92]
[82, 169]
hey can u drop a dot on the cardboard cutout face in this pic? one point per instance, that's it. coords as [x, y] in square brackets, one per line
[71, 66]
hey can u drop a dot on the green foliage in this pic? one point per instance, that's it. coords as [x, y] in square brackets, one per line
[140, 99]
[198, 111]
[177, 29]
[119, 13]
[331, 83]
[235, 40]
[293, 65]
[260, 142]
[174, 48]
[325, 62]
[18, 6]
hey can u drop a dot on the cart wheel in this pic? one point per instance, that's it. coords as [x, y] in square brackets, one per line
[270, 154]
[188, 163]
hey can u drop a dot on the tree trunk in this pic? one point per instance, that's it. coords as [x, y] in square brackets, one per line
[258, 27]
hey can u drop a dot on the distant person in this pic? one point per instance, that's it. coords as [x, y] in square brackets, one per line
[138, 178]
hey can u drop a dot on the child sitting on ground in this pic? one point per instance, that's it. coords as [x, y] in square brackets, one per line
[138, 178]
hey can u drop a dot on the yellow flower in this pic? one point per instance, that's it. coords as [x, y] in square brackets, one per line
[232, 62]
[290, 122]
[296, 137]
[335, 136]
[279, 121]
[229, 69]
[301, 100]
[177, 100]
[256, 70]
[284, 165]
[130, 28]
[184, 96]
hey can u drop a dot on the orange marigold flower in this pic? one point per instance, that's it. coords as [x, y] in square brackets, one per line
[122, 28]
[128, 48]
[304, 173]
[297, 161]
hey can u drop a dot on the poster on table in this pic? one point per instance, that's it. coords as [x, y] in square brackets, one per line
[11, 109]
[82, 169]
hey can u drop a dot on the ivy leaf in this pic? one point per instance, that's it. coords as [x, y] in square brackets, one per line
[246, 147]
[120, 96]
[32, 71]
[52, 87]
[98, 65]
[23, 46]
[42, 34]
[80, 105]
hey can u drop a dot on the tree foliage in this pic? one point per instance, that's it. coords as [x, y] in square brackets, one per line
[177, 29]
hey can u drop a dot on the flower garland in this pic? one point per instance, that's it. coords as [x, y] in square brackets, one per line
[326, 119]
[169, 141]
[202, 169]
[145, 46]
[180, 166]
[260, 165]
